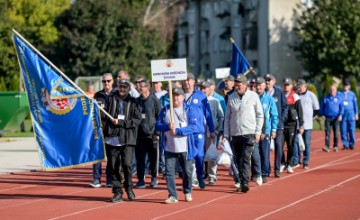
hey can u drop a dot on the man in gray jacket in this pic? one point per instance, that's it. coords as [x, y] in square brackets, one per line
[244, 119]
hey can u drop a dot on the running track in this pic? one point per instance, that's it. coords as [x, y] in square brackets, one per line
[330, 189]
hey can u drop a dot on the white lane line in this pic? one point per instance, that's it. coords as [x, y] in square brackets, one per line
[280, 179]
[16, 188]
[192, 207]
[311, 169]
[100, 207]
[308, 197]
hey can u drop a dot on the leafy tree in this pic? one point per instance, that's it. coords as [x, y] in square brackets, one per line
[105, 36]
[329, 38]
[33, 20]
[327, 84]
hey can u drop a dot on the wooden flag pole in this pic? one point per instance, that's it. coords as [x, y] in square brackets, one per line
[171, 103]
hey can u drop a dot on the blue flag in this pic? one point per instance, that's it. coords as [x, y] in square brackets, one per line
[66, 123]
[239, 64]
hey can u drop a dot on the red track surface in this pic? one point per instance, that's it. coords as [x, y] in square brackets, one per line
[328, 190]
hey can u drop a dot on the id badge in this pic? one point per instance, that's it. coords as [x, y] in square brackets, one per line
[346, 103]
[143, 116]
[121, 117]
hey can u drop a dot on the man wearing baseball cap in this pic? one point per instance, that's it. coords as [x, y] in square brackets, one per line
[178, 144]
[120, 133]
[197, 99]
[310, 106]
[282, 109]
[294, 120]
[243, 124]
[218, 118]
[271, 121]
[349, 118]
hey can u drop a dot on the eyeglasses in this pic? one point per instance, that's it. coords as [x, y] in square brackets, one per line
[106, 81]
[140, 81]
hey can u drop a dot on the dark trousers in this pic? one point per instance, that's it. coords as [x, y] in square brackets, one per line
[146, 146]
[121, 157]
[244, 146]
[334, 124]
[289, 136]
[279, 144]
[97, 171]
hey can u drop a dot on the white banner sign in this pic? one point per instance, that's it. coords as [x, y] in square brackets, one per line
[170, 69]
[222, 73]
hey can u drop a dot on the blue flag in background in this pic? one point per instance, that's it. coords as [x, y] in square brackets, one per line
[239, 64]
[66, 122]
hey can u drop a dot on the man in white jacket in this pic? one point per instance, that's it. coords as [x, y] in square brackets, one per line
[243, 123]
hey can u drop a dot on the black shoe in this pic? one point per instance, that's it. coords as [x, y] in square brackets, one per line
[244, 188]
[277, 173]
[131, 195]
[117, 197]
[351, 147]
[140, 184]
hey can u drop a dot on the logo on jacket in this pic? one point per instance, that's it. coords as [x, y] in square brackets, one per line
[264, 106]
[195, 101]
[57, 106]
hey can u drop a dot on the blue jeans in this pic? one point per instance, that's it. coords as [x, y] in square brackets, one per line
[334, 124]
[186, 165]
[264, 151]
[297, 154]
[97, 171]
[307, 138]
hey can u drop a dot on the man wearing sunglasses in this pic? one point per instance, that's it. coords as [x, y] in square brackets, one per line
[101, 97]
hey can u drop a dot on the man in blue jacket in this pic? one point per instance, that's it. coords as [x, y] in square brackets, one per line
[282, 108]
[179, 143]
[332, 109]
[271, 121]
[197, 99]
[349, 117]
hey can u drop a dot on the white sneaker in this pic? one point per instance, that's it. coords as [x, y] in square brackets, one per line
[195, 183]
[282, 168]
[295, 166]
[188, 197]
[171, 200]
[237, 185]
[290, 169]
[259, 181]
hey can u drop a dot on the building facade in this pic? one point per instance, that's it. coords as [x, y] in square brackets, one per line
[261, 28]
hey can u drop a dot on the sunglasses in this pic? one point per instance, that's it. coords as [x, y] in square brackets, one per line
[140, 81]
[106, 81]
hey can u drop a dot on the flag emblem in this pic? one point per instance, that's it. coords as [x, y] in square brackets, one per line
[57, 106]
